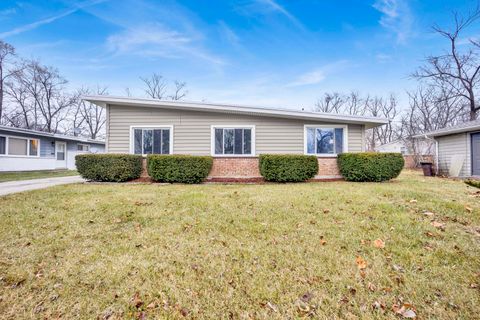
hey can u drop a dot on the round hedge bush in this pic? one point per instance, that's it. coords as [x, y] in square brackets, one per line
[178, 168]
[288, 167]
[370, 166]
[109, 167]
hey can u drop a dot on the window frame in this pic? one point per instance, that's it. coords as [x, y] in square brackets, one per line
[83, 145]
[325, 126]
[149, 127]
[7, 138]
[233, 126]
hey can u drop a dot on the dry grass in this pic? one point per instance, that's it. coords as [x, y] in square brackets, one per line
[241, 251]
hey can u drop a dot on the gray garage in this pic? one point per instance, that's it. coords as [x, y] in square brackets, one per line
[458, 149]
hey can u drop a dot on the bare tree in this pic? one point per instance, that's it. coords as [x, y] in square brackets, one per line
[458, 70]
[92, 114]
[179, 91]
[155, 86]
[331, 103]
[7, 51]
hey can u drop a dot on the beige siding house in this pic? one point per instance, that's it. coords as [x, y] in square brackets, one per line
[233, 135]
[458, 149]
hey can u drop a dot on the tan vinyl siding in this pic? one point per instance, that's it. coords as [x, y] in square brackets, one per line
[192, 130]
[456, 144]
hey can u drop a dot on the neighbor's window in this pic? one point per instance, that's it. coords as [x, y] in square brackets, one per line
[151, 140]
[3, 145]
[83, 147]
[235, 141]
[324, 140]
[17, 146]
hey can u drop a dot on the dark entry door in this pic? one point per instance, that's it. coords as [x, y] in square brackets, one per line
[476, 154]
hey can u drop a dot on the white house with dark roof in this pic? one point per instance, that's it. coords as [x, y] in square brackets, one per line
[458, 149]
[28, 150]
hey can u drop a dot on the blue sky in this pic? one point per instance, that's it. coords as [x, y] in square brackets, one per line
[259, 52]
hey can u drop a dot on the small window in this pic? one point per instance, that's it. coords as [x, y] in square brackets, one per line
[151, 140]
[33, 151]
[83, 147]
[17, 146]
[232, 141]
[3, 145]
[324, 140]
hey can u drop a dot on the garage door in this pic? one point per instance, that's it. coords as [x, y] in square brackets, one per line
[476, 154]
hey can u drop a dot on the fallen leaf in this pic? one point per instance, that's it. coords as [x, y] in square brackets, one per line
[468, 209]
[405, 311]
[371, 287]
[272, 307]
[306, 297]
[326, 210]
[428, 213]
[379, 243]
[438, 225]
[136, 301]
[361, 263]
[323, 242]
[413, 201]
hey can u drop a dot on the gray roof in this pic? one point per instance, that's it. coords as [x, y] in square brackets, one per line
[50, 135]
[468, 126]
[369, 122]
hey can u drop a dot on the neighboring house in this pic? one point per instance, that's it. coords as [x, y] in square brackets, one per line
[234, 135]
[458, 149]
[27, 150]
[422, 147]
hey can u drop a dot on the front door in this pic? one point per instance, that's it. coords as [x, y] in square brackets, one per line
[61, 154]
[476, 154]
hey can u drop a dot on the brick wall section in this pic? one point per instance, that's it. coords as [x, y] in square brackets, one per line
[235, 167]
[411, 162]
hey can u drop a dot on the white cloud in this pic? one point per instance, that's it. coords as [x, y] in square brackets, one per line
[229, 34]
[36, 24]
[318, 75]
[280, 9]
[382, 57]
[396, 17]
[155, 40]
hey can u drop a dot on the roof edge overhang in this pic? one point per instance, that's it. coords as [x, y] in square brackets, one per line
[103, 101]
[434, 134]
[50, 135]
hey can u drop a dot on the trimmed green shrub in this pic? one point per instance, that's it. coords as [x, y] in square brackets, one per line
[109, 167]
[178, 168]
[288, 167]
[370, 166]
[473, 183]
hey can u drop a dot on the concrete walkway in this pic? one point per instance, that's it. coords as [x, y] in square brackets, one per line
[27, 185]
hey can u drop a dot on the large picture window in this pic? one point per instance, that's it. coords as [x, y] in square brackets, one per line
[19, 146]
[233, 141]
[151, 140]
[324, 140]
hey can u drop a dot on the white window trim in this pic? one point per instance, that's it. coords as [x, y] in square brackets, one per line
[152, 127]
[232, 126]
[7, 137]
[326, 126]
[83, 144]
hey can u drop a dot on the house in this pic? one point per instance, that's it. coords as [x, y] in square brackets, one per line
[458, 149]
[422, 147]
[27, 150]
[234, 135]
[414, 151]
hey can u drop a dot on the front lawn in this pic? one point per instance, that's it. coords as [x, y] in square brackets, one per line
[333, 250]
[27, 175]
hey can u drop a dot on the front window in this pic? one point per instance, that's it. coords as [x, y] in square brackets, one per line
[151, 140]
[233, 141]
[3, 145]
[83, 147]
[325, 140]
[16, 146]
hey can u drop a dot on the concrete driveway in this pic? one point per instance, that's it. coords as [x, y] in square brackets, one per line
[27, 185]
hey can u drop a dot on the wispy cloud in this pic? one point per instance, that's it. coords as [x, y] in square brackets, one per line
[319, 74]
[229, 34]
[275, 6]
[382, 57]
[396, 17]
[156, 40]
[36, 24]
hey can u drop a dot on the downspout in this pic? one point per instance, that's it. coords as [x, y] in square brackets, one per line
[436, 152]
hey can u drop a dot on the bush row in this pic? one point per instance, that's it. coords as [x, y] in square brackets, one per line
[276, 168]
[109, 167]
[370, 166]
